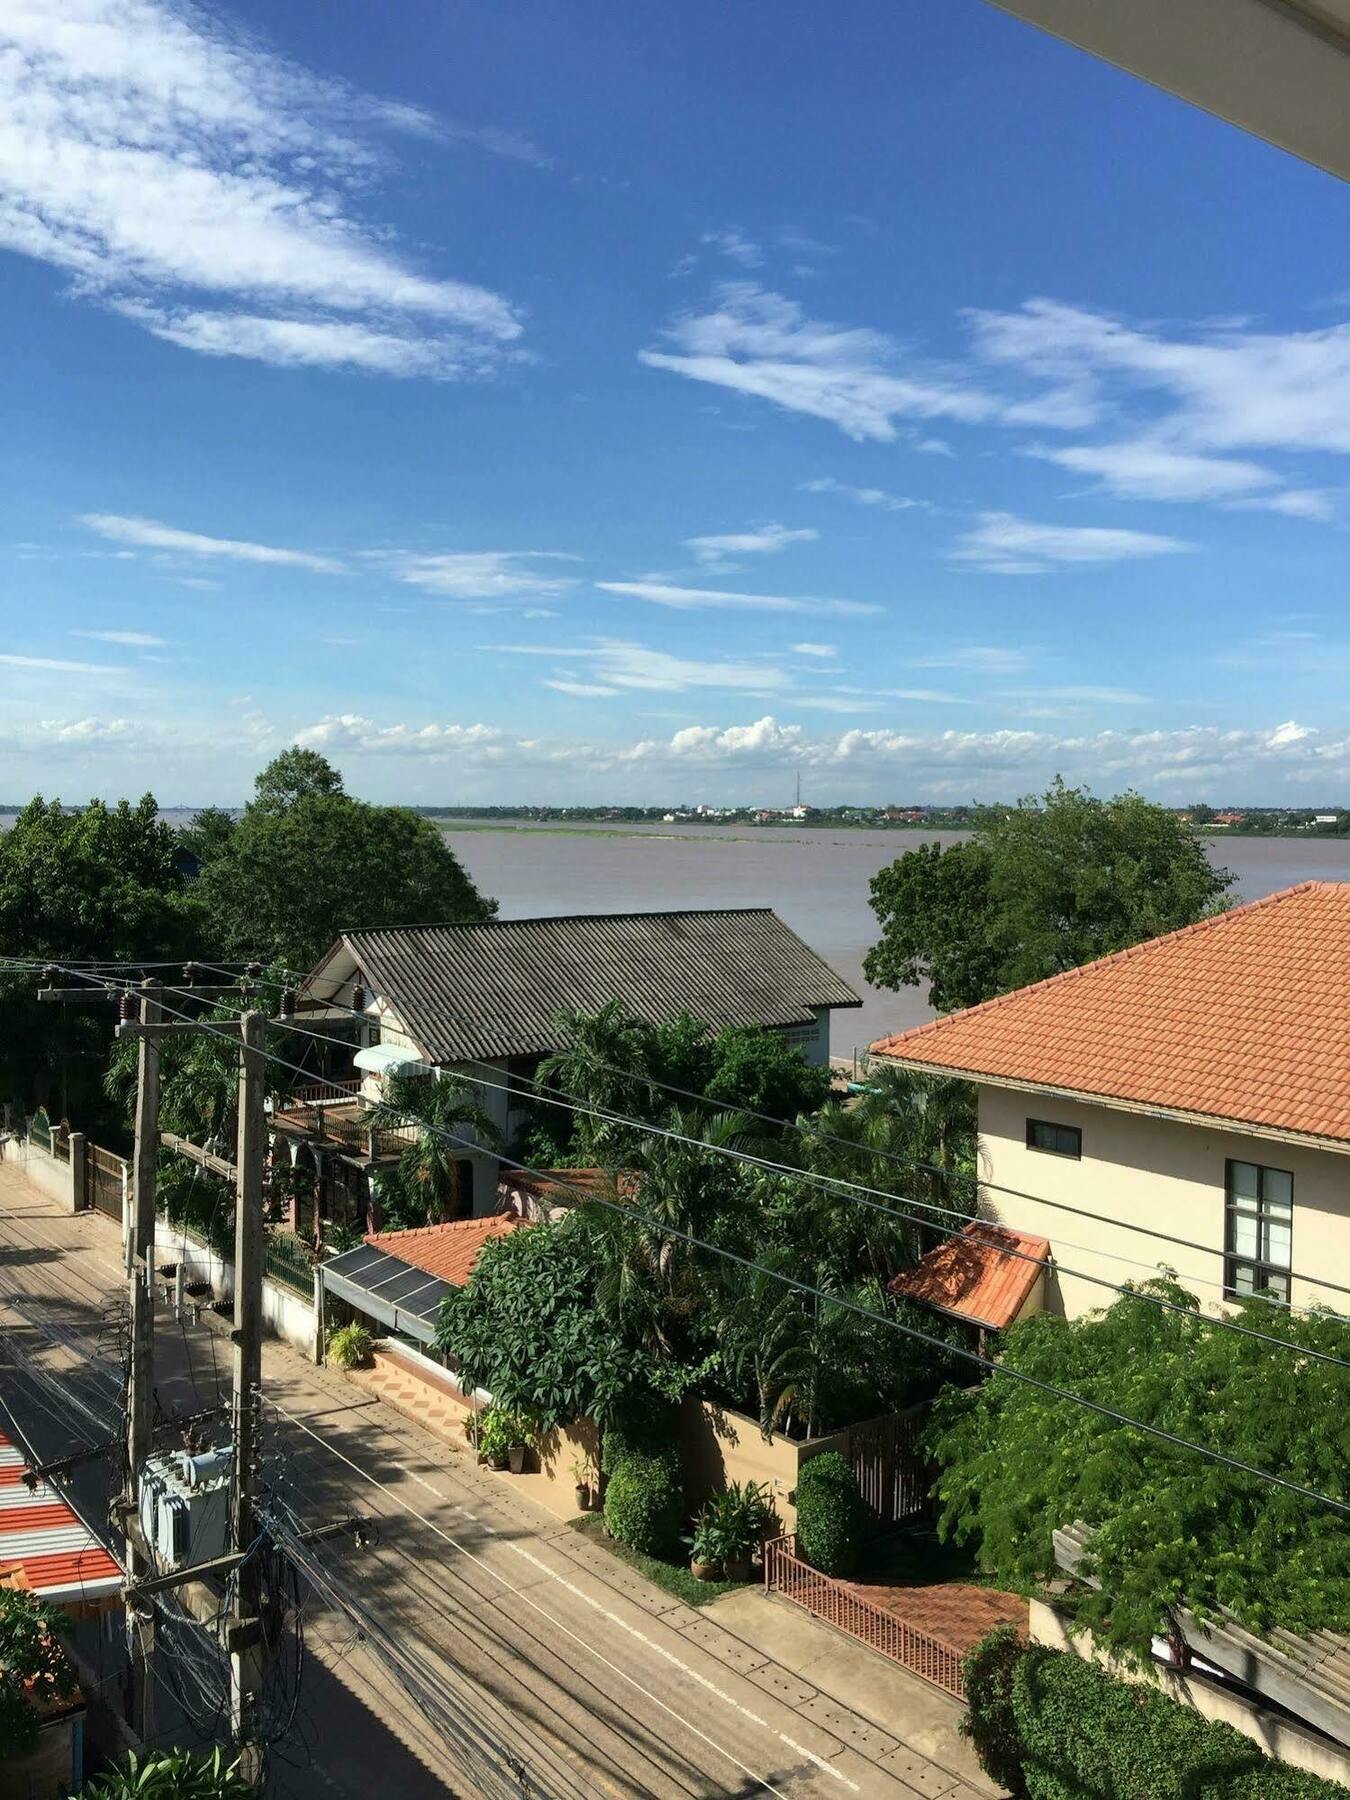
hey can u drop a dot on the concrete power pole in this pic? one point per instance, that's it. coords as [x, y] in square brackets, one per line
[245, 1627]
[140, 1261]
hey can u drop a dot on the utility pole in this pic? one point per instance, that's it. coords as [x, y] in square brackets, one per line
[245, 1626]
[140, 1260]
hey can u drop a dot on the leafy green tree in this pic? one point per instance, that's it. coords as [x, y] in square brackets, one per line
[308, 861]
[764, 1073]
[424, 1186]
[98, 882]
[34, 1667]
[1045, 886]
[530, 1327]
[1168, 1528]
[209, 835]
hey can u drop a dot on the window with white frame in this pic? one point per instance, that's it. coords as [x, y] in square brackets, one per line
[1259, 1232]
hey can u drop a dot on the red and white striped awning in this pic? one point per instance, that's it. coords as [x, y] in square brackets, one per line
[44, 1548]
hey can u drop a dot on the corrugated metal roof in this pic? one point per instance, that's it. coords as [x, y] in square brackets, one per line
[494, 989]
[44, 1547]
[973, 1277]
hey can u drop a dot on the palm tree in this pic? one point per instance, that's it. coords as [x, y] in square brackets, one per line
[425, 1188]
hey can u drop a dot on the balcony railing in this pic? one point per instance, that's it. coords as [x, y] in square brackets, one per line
[343, 1123]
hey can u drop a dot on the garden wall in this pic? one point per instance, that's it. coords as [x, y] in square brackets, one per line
[1279, 1737]
[718, 1446]
[40, 1167]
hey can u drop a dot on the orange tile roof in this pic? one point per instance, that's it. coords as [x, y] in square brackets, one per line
[1244, 1017]
[973, 1277]
[447, 1251]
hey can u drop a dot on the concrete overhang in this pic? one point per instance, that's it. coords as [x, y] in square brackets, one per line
[1279, 69]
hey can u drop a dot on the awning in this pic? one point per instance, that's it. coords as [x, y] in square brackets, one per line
[44, 1548]
[389, 1059]
[387, 1289]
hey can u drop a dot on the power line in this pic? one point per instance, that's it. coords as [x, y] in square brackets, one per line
[889, 1323]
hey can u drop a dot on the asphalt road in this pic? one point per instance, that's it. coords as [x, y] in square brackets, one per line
[475, 1646]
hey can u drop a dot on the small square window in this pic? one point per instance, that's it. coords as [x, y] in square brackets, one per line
[1056, 1140]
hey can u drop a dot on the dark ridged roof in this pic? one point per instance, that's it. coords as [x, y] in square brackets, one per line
[465, 991]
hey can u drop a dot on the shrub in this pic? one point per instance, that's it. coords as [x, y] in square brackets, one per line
[350, 1346]
[500, 1429]
[987, 1672]
[643, 1501]
[829, 1514]
[645, 1424]
[34, 1667]
[1052, 1727]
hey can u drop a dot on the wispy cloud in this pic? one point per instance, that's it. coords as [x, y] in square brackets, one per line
[615, 663]
[154, 157]
[1294, 503]
[150, 534]
[978, 659]
[760, 343]
[483, 574]
[133, 640]
[1145, 469]
[1004, 544]
[718, 550]
[821, 650]
[732, 243]
[58, 665]
[687, 599]
[865, 496]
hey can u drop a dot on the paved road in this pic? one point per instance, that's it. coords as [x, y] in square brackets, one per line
[547, 1653]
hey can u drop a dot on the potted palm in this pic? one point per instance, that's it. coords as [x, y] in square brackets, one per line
[736, 1521]
[705, 1548]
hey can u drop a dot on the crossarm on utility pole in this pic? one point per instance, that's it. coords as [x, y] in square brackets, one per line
[218, 1165]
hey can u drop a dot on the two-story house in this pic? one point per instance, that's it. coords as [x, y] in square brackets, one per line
[1183, 1103]
[483, 1000]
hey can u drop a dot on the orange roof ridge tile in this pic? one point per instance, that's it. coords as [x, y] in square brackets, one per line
[1243, 1016]
[1098, 962]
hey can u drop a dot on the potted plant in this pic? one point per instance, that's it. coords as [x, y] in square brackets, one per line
[349, 1346]
[705, 1547]
[583, 1471]
[519, 1445]
[738, 1518]
[495, 1433]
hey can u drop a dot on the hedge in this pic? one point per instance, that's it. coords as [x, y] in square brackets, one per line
[1052, 1727]
[829, 1514]
[643, 1502]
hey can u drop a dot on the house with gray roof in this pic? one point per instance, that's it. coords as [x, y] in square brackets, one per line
[483, 999]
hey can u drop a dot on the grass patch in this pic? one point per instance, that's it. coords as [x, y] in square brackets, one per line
[674, 1578]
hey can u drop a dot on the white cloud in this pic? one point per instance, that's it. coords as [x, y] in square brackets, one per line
[616, 663]
[12, 660]
[133, 640]
[1145, 469]
[823, 650]
[482, 574]
[1228, 389]
[1007, 545]
[1294, 503]
[316, 343]
[760, 343]
[150, 154]
[685, 599]
[764, 540]
[1083, 695]
[582, 690]
[865, 496]
[982, 659]
[150, 534]
[734, 244]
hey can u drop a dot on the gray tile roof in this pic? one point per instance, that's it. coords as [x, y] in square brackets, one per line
[466, 991]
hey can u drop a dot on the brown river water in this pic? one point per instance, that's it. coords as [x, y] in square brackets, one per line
[815, 879]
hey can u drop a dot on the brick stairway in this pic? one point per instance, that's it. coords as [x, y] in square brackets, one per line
[956, 1614]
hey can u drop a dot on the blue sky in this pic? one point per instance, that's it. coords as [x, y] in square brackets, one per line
[648, 403]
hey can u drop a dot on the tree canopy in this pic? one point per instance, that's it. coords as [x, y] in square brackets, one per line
[307, 861]
[34, 1668]
[1045, 886]
[1168, 1528]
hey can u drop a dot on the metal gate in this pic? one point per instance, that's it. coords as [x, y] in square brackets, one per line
[105, 1180]
[893, 1474]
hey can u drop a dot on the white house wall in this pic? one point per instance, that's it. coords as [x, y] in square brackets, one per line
[1165, 1176]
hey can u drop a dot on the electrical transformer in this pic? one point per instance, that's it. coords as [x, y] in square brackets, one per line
[185, 1506]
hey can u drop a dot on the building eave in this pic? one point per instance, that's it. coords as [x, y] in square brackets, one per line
[1117, 1103]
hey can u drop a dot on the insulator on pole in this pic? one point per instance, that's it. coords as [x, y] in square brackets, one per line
[252, 971]
[49, 975]
[126, 1006]
[190, 974]
[288, 1003]
[358, 997]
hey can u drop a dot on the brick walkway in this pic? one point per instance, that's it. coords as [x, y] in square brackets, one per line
[952, 1612]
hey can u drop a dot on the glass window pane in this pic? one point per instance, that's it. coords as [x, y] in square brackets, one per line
[1278, 1187]
[1277, 1286]
[1245, 1235]
[1277, 1243]
[1244, 1178]
[1242, 1278]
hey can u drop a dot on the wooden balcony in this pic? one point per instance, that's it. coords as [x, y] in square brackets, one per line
[332, 1114]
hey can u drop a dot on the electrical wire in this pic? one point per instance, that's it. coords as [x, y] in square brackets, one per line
[665, 1229]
